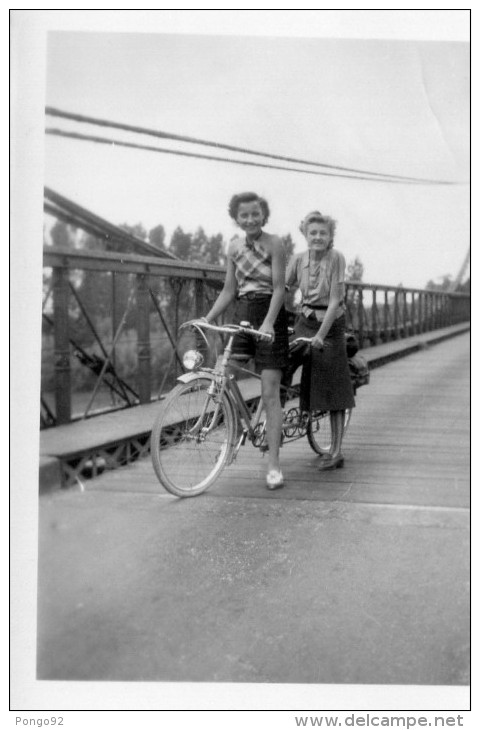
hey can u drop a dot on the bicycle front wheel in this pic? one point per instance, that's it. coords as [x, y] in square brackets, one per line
[192, 438]
[319, 431]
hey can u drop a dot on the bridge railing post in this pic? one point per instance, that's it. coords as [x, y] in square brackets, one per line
[413, 315]
[114, 312]
[348, 313]
[361, 317]
[143, 338]
[446, 310]
[199, 305]
[395, 315]
[63, 395]
[375, 335]
[463, 309]
[421, 313]
[433, 311]
[428, 312]
[386, 317]
[437, 313]
[405, 327]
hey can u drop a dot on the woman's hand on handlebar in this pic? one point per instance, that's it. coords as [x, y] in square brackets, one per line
[318, 343]
[230, 329]
[300, 343]
[267, 330]
[193, 322]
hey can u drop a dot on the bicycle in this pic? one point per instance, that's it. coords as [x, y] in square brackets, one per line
[205, 420]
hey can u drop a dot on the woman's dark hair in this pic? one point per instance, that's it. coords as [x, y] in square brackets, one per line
[236, 201]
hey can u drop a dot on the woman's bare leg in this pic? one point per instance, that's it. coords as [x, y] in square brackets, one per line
[273, 408]
[337, 419]
[335, 457]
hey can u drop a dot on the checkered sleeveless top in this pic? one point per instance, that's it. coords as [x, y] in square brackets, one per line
[253, 265]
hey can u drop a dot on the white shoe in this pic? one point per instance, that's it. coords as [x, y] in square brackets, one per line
[274, 479]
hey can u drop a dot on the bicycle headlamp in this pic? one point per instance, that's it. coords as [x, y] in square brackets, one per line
[192, 359]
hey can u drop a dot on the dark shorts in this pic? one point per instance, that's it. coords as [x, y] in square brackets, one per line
[267, 355]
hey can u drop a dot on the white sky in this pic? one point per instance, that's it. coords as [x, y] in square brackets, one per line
[393, 106]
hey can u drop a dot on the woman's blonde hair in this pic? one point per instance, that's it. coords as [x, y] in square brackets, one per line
[316, 217]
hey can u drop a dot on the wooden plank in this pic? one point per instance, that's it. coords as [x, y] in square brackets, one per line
[407, 444]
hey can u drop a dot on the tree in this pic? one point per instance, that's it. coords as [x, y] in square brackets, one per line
[181, 243]
[444, 285]
[94, 289]
[157, 237]
[355, 270]
[288, 245]
[198, 248]
[61, 235]
[215, 251]
[136, 230]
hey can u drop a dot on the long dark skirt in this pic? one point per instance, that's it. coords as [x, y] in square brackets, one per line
[325, 384]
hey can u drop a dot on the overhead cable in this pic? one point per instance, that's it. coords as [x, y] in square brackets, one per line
[51, 111]
[182, 153]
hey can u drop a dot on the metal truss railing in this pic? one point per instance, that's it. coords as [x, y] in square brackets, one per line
[142, 296]
[378, 313]
[86, 320]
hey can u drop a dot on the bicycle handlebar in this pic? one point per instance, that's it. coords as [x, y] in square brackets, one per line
[228, 329]
[297, 340]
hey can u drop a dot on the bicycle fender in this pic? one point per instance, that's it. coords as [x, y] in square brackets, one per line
[192, 375]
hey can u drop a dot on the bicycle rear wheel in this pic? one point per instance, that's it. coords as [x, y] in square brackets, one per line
[192, 438]
[319, 432]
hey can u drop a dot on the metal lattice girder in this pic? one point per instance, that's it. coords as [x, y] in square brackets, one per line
[96, 363]
[75, 215]
[108, 359]
[93, 462]
[133, 264]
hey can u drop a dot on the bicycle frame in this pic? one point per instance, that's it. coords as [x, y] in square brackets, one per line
[295, 423]
[194, 439]
[226, 384]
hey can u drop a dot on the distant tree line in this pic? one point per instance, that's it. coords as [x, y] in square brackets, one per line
[448, 284]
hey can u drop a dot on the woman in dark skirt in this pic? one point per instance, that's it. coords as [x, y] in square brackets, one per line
[319, 273]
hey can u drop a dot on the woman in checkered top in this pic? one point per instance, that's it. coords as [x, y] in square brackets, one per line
[256, 279]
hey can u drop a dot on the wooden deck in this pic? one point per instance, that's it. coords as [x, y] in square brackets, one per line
[407, 444]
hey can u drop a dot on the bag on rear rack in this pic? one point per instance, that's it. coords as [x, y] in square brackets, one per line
[351, 343]
[359, 370]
